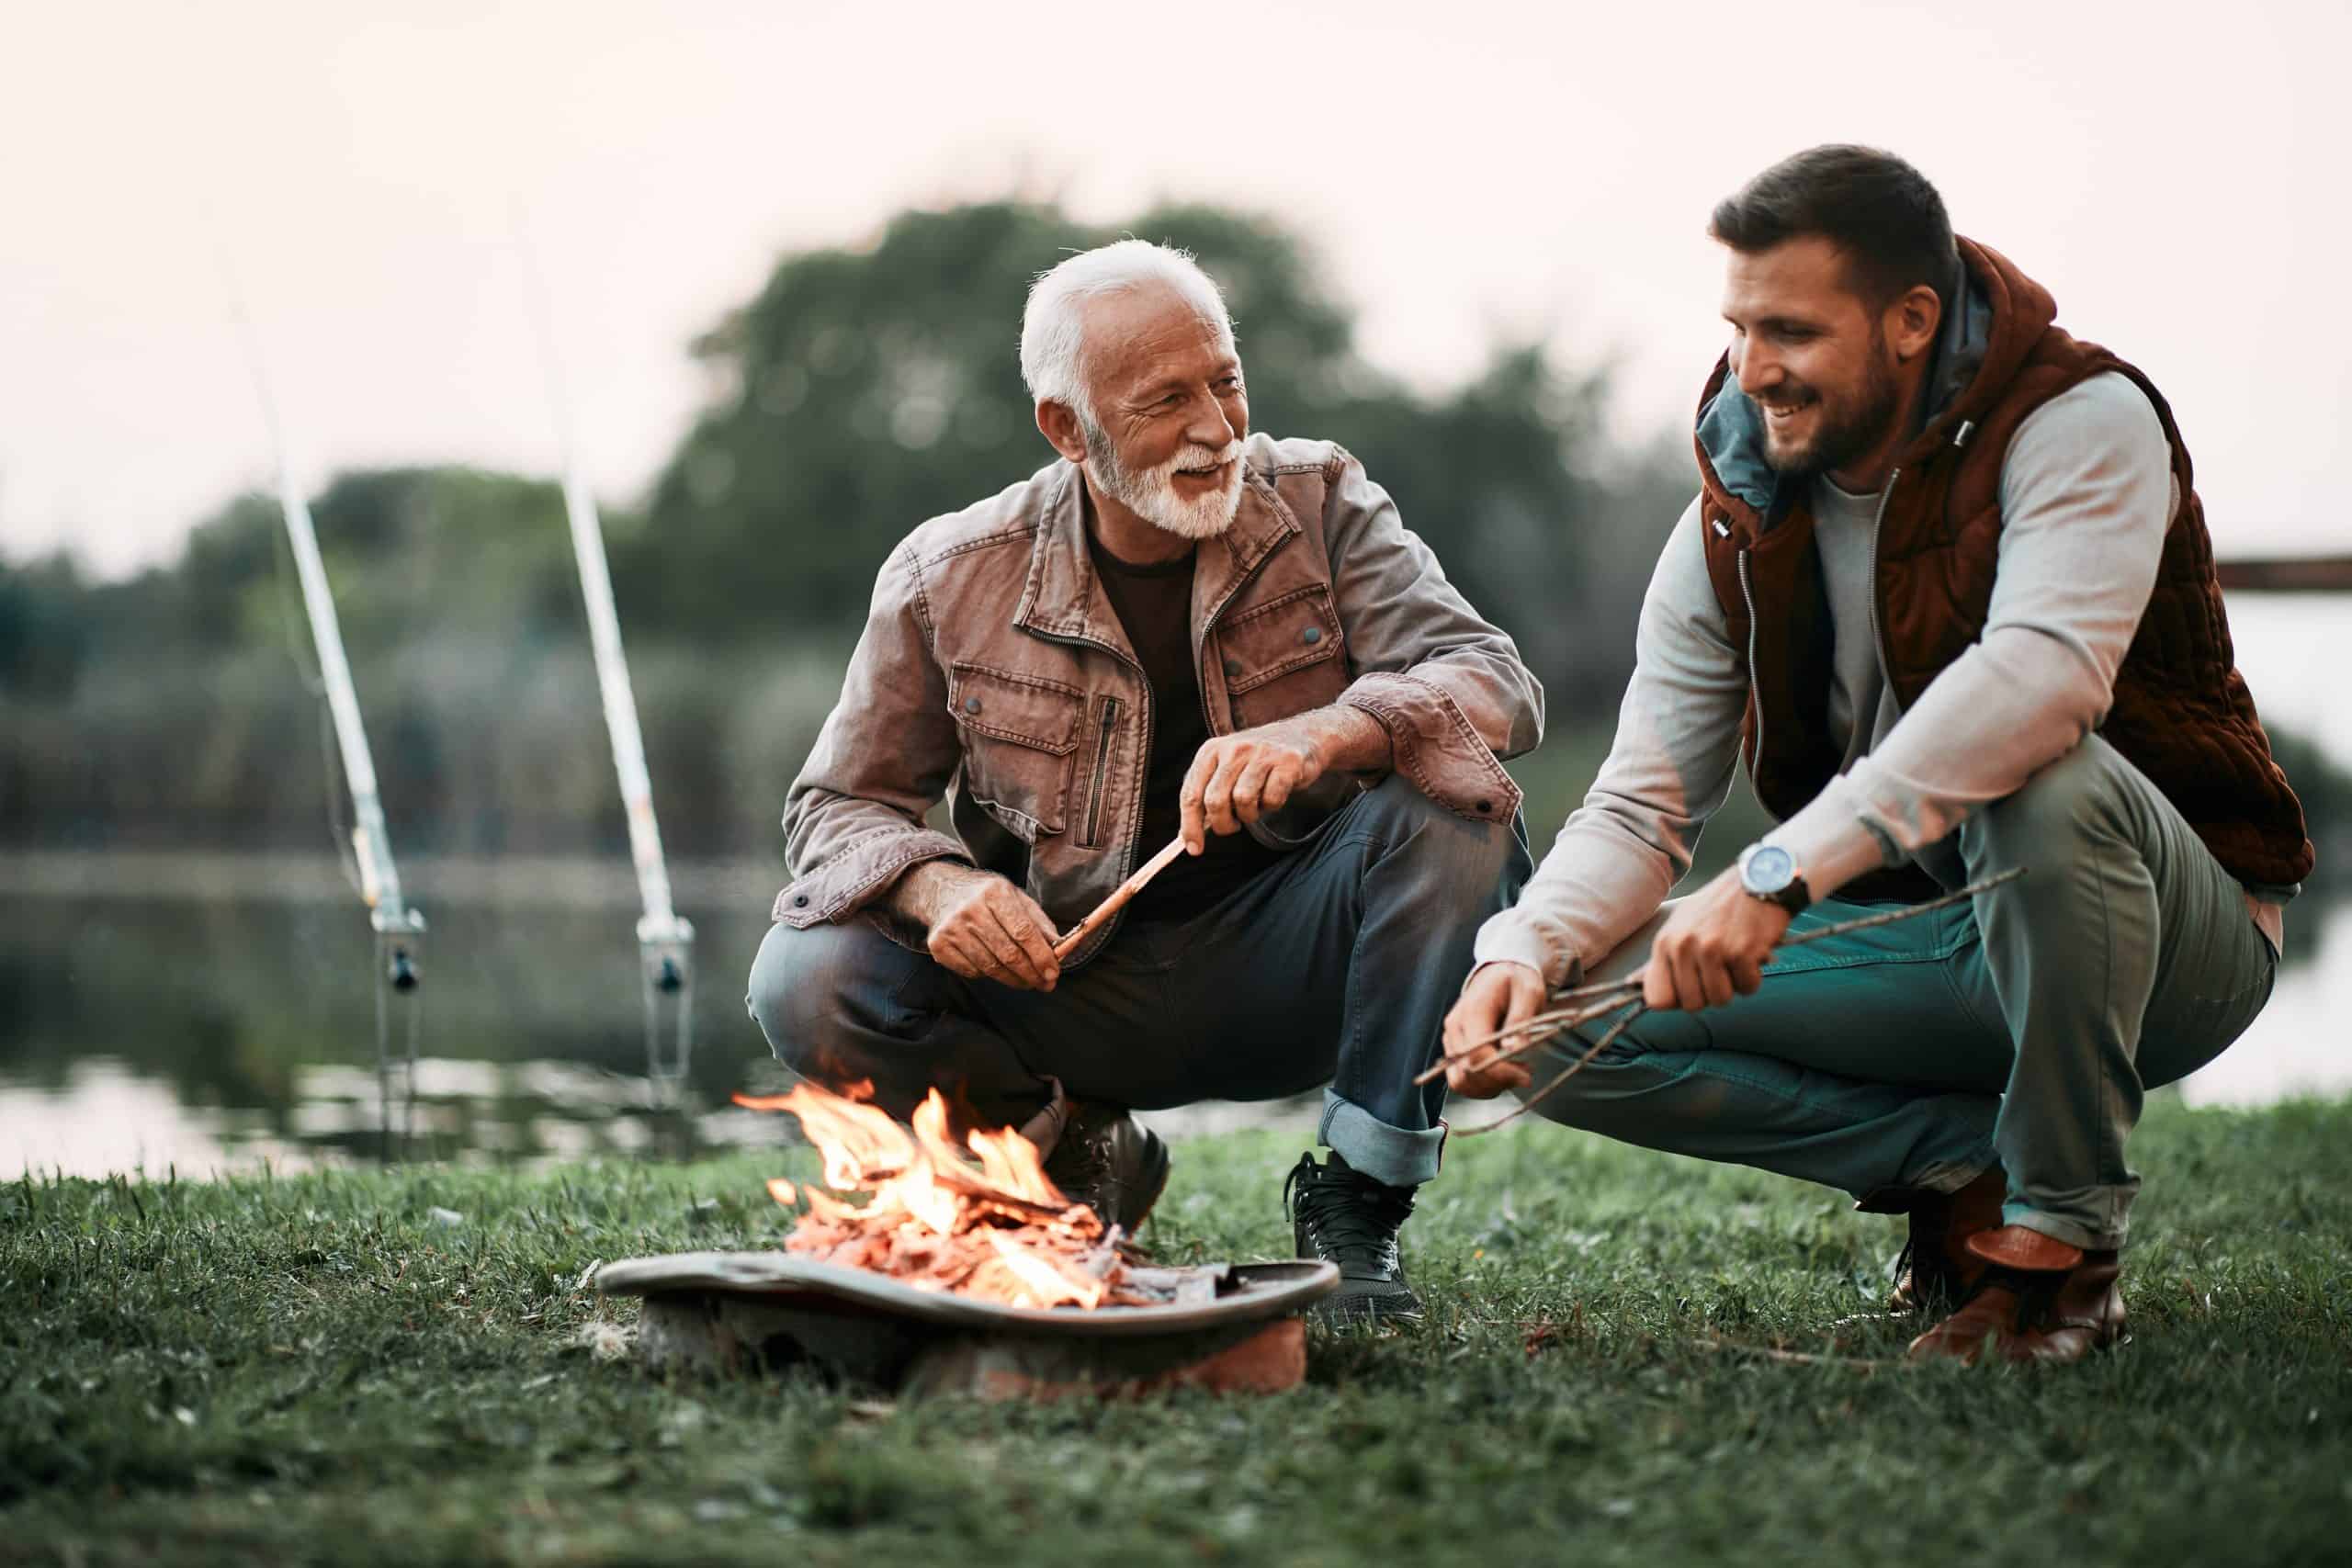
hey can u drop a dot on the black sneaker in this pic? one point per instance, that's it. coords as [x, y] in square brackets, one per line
[1108, 1160]
[1342, 1216]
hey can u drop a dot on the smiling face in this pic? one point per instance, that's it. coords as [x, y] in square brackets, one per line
[1163, 438]
[1831, 375]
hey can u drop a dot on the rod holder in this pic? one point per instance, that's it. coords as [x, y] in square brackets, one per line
[666, 950]
[399, 978]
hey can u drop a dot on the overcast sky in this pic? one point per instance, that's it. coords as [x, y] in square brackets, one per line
[2178, 181]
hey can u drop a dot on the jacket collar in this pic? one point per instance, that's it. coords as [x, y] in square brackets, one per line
[1063, 597]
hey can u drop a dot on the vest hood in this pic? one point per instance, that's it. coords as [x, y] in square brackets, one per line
[2000, 315]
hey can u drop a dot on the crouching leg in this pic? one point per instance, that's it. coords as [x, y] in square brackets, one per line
[842, 1004]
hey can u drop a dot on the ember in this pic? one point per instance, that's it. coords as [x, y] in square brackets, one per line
[997, 1229]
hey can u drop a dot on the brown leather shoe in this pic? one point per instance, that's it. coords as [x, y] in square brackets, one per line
[2037, 1300]
[1936, 1271]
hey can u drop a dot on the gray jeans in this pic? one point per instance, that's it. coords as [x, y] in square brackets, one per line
[1333, 967]
[2022, 1027]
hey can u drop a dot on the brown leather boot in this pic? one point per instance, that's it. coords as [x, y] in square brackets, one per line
[2037, 1300]
[1936, 1270]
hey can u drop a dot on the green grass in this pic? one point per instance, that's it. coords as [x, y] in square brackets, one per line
[315, 1370]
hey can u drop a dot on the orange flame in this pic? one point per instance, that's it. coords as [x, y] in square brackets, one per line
[1046, 1283]
[999, 1229]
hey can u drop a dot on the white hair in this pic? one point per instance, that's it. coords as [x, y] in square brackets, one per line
[1053, 328]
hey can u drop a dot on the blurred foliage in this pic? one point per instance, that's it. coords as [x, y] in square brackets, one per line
[865, 388]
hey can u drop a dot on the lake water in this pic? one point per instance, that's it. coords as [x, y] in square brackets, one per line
[205, 1013]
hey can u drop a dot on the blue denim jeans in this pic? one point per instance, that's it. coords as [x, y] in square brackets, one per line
[1334, 967]
[2022, 1027]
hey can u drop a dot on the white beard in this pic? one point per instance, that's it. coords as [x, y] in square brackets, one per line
[1151, 496]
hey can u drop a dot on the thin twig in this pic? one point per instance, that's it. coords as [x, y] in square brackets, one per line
[1541, 1027]
[1888, 916]
[1798, 1357]
[1524, 1106]
[1543, 1024]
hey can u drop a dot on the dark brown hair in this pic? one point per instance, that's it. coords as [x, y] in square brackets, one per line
[1876, 208]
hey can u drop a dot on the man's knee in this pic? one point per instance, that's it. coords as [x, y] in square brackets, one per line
[812, 989]
[1471, 857]
[2053, 813]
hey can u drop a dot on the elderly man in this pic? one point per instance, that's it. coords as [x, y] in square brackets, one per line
[1173, 629]
[1947, 589]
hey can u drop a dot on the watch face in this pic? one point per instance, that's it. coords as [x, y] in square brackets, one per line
[1770, 868]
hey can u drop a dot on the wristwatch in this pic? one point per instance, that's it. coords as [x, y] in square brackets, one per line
[1769, 873]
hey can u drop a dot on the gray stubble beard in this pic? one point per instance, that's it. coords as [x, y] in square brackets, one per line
[1151, 497]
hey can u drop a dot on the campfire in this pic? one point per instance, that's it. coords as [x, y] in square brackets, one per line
[924, 1265]
[981, 1220]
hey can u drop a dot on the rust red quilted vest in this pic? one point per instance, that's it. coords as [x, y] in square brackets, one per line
[2182, 713]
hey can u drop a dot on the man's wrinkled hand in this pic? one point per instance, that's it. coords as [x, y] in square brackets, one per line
[1713, 947]
[1236, 779]
[980, 926]
[1498, 995]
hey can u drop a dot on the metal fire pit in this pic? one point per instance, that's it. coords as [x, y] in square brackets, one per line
[1233, 1328]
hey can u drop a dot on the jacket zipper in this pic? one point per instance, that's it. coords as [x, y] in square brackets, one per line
[1878, 645]
[1102, 758]
[1109, 716]
[1755, 692]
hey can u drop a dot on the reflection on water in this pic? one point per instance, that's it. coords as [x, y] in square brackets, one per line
[154, 1016]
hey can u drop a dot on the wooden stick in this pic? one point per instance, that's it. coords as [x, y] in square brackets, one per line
[1066, 945]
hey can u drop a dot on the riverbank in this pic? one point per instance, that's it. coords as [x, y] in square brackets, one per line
[401, 1366]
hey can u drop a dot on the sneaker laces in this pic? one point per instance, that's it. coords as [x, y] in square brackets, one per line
[1345, 1210]
[1081, 1153]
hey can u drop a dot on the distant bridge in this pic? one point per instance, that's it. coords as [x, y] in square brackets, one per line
[2288, 574]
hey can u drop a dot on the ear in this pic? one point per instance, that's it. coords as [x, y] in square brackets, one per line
[1057, 423]
[1911, 323]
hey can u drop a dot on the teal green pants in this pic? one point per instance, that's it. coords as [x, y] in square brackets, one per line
[2021, 1027]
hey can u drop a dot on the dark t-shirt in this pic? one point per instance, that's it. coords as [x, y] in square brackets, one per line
[1154, 606]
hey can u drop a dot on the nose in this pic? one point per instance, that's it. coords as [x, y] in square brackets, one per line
[1757, 368]
[1210, 424]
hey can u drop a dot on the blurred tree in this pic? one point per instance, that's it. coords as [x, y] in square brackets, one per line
[44, 633]
[862, 390]
[866, 388]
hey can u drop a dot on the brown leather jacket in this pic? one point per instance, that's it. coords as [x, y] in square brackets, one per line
[993, 669]
[2181, 712]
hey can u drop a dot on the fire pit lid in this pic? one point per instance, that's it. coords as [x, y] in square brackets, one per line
[1253, 1290]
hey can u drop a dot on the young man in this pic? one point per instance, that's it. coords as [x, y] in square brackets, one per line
[1946, 591]
[1175, 628]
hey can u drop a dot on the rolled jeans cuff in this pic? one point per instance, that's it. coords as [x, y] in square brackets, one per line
[2073, 1233]
[1397, 1155]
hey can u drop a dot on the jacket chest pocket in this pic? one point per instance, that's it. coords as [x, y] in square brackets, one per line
[1282, 657]
[1019, 738]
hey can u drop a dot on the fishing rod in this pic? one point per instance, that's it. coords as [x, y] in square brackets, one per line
[665, 938]
[398, 925]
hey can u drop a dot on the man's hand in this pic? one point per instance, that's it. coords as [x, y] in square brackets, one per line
[1236, 779]
[1713, 947]
[1498, 995]
[980, 925]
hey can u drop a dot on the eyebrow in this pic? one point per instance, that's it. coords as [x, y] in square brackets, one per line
[1160, 389]
[1782, 323]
